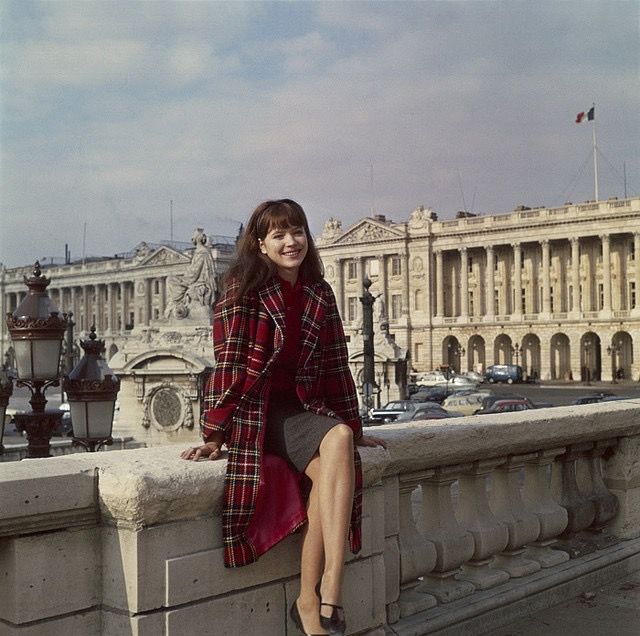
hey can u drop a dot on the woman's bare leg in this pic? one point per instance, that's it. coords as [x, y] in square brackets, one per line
[312, 556]
[335, 500]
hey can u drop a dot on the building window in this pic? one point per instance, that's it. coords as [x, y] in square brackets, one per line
[600, 296]
[551, 303]
[523, 301]
[419, 300]
[471, 312]
[119, 292]
[495, 263]
[396, 306]
[496, 301]
[418, 349]
[156, 313]
[156, 286]
[470, 265]
[632, 251]
[352, 270]
[396, 266]
[352, 308]
[632, 295]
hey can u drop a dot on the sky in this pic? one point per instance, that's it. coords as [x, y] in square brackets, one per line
[111, 110]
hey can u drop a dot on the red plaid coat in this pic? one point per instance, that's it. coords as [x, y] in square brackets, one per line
[262, 500]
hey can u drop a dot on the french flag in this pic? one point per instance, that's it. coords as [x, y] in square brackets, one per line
[590, 115]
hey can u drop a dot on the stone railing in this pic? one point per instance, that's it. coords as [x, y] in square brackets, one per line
[466, 526]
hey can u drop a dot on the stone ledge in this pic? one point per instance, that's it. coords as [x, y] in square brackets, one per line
[46, 494]
[484, 611]
[419, 445]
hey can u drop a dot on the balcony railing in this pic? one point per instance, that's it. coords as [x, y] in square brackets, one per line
[460, 521]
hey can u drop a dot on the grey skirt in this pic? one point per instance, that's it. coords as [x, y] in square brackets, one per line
[293, 433]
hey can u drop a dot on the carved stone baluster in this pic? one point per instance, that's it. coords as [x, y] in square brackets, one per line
[490, 536]
[537, 498]
[581, 510]
[605, 502]
[622, 477]
[523, 525]
[454, 545]
[417, 555]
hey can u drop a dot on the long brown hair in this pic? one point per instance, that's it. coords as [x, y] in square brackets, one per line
[250, 269]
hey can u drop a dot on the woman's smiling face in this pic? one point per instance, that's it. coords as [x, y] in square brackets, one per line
[286, 248]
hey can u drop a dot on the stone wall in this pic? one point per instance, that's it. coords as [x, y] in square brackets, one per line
[463, 530]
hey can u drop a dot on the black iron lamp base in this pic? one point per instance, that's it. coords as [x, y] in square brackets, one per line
[92, 445]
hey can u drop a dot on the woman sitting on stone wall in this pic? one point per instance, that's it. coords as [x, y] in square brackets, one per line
[282, 399]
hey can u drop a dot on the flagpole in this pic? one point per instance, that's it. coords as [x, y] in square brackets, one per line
[595, 156]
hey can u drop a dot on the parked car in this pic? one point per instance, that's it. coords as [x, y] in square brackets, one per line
[433, 394]
[390, 411]
[490, 399]
[508, 373]
[465, 403]
[592, 399]
[426, 411]
[506, 405]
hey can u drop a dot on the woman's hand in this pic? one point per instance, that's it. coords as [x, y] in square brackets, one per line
[210, 449]
[371, 441]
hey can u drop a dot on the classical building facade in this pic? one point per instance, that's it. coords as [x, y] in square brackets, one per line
[119, 295]
[552, 289]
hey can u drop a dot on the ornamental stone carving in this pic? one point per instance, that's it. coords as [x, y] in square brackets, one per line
[332, 229]
[167, 408]
[193, 293]
[420, 217]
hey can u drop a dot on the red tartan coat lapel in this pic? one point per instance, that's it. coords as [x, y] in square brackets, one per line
[247, 340]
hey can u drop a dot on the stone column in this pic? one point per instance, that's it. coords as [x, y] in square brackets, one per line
[517, 280]
[406, 296]
[163, 295]
[636, 256]
[464, 284]
[86, 309]
[546, 277]
[490, 278]
[339, 265]
[384, 287]
[124, 305]
[606, 272]
[439, 284]
[147, 300]
[575, 274]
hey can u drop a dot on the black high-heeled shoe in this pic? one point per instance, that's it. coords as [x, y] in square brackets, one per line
[335, 624]
[295, 617]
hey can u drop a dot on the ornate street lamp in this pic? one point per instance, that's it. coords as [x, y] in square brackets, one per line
[613, 351]
[515, 351]
[36, 329]
[6, 389]
[587, 360]
[92, 390]
[368, 373]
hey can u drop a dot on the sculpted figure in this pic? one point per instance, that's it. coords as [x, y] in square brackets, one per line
[197, 287]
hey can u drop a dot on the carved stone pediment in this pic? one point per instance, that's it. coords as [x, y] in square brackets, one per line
[367, 231]
[164, 256]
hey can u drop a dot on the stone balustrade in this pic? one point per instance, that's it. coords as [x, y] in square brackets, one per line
[467, 526]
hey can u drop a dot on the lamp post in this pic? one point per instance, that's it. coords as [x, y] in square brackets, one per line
[6, 389]
[368, 374]
[515, 351]
[36, 329]
[613, 351]
[458, 352]
[587, 360]
[92, 389]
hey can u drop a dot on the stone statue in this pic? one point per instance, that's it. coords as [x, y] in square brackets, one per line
[332, 229]
[193, 293]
